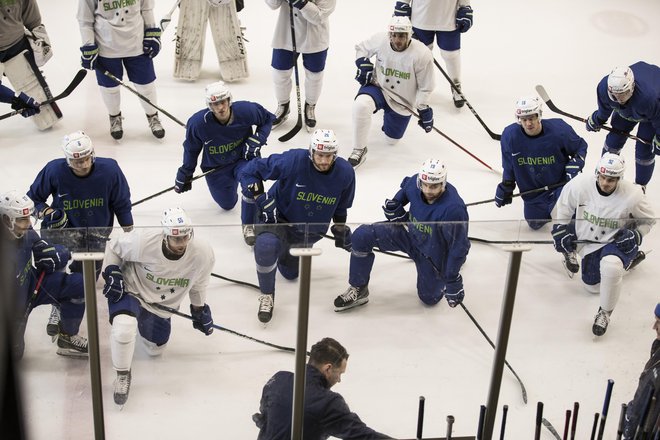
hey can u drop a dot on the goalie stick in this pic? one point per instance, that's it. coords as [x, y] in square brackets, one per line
[171, 187]
[296, 128]
[70, 88]
[492, 134]
[546, 98]
[165, 21]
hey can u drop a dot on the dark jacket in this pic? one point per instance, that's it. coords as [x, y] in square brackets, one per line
[649, 385]
[326, 412]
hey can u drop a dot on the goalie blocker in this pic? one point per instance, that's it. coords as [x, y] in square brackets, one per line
[227, 36]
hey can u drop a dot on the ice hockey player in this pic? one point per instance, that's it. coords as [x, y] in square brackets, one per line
[403, 66]
[87, 192]
[632, 96]
[40, 278]
[312, 186]
[227, 37]
[312, 39]
[24, 48]
[147, 267]
[444, 21]
[223, 133]
[611, 217]
[536, 155]
[118, 35]
[19, 101]
[433, 232]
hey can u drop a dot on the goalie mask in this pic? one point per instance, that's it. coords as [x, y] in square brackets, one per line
[621, 84]
[217, 92]
[77, 145]
[16, 210]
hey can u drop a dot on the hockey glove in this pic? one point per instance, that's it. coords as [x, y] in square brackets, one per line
[454, 291]
[342, 234]
[151, 42]
[563, 238]
[394, 211]
[202, 319]
[114, 283]
[252, 148]
[594, 123]
[628, 240]
[27, 104]
[268, 208]
[426, 119]
[182, 183]
[298, 3]
[365, 72]
[656, 144]
[402, 9]
[54, 218]
[504, 193]
[49, 258]
[89, 57]
[464, 19]
[573, 167]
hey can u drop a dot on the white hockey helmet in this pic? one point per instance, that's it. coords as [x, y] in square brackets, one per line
[611, 165]
[176, 223]
[216, 92]
[15, 205]
[621, 84]
[323, 141]
[77, 145]
[433, 171]
[527, 106]
[400, 25]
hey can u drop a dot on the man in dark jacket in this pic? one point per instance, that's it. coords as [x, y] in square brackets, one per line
[647, 390]
[326, 412]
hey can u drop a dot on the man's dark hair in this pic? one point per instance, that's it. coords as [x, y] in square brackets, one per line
[327, 350]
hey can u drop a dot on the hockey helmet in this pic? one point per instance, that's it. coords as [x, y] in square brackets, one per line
[323, 141]
[611, 165]
[77, 145]
[433, 171]
[15, 205]
[176, 223]
[527, 106]
[621, 84]
[400, 25]
[216, 92]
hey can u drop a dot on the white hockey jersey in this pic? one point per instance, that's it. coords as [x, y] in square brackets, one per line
[408, 73]
[116, 27]
[311, 25]
[597, 217]
[435, 15]
[157, 279]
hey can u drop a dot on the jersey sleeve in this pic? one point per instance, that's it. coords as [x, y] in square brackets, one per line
[147, 13]
[575, 145]
[347, 196]
[455, 233]
[124, 248]
[192, 146]
[643, 211]
[40, 190]
[368, 47]
[258, 170]
[567, 202]
[318, 12]
[264, 123]
[604, 107]
[120, 199]
[425, 78]
[85, 17]
[507, 159]
[198, 290]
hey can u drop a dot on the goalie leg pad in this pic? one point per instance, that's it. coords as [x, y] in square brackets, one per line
[229, 45]
[190, 37]
[24, 78]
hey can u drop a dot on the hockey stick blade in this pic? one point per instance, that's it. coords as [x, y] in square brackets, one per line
[165, 21]
[294, 131]
[171, 187]
[551, 105]
[551, 428]
[70, 88]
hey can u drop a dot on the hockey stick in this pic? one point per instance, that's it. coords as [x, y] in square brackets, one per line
[171, 187]
[474, 321]
[576, 409]
[622, 420]
[165, 21]
[70, 88]
[483, 240]
[224, 329]
[505, 411]
[242, 283]
[606, 407]
[551, 428]
[408, 107]
[296, 128]
[450, 426]
[420, 418]
[493, 135]
[524, 193]
[393, 254]
[142, 97]
[546, 98]
[28, 306]
[539, 417]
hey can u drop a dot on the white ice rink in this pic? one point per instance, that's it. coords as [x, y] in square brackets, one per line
[208, 387]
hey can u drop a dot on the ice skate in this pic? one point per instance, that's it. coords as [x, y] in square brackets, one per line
[266, 304]
[116, 130]
[353, 297]
[641, 256]
[358, 157]
[155, 126]
[53, 326]
[122, 387]
[571, 264]
[71, 345]
[601, 322]
[281, 114]
[310, 117]
[456, 96]
[248, 235]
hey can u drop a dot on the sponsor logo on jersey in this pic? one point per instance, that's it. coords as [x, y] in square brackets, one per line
[303, 196]
[300, 185]
[62, 195]
[538, 160]
[83, 203]
[179, 282]
[116, 4]
[601, 221]
[222, 149]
